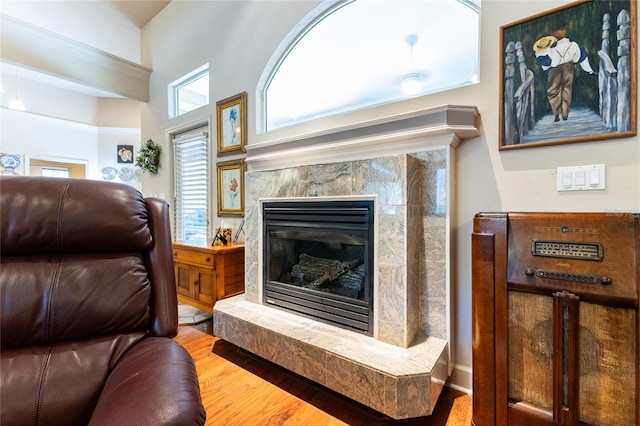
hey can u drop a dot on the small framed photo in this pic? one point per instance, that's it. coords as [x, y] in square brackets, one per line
[125, 154]
[231, 188]
[232, 124]
[569, 75]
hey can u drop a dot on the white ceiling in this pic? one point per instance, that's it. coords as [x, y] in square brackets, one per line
[138, 12]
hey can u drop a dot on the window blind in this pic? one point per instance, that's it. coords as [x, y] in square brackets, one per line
[191, 198]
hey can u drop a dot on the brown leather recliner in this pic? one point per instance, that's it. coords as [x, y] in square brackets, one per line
[88, 306]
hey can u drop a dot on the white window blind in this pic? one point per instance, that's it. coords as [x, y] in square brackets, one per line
[191, 198]
[55, 172]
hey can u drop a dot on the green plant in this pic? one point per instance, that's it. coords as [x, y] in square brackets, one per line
[148, 157]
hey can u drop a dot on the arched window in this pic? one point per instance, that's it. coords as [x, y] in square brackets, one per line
[359, 53]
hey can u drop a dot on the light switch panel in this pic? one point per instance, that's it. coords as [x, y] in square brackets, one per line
[581, 178]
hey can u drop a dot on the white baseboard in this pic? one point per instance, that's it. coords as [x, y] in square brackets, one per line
[461, 379]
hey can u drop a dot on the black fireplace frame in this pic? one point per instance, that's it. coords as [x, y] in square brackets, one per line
[329, 216]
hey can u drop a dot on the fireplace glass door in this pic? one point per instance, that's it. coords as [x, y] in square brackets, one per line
[318, 260]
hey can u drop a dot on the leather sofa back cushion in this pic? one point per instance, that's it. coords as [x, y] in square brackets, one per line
[71, 216]
[57, 298]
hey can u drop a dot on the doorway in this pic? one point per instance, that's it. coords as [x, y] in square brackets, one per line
[62, 168]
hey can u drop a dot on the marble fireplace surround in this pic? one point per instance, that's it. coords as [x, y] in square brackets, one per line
[407, 165]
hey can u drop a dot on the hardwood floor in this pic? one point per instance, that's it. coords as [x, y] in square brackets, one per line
[239, 388]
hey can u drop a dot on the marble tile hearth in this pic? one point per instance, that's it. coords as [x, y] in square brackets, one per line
[398, 382]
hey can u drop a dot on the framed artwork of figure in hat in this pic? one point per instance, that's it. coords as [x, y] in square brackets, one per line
[569, 75]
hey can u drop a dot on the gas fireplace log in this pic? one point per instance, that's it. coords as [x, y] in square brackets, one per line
[353, 278]
[314, 271]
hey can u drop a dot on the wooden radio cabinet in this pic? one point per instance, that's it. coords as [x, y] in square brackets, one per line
[555, 319]
[205, 274]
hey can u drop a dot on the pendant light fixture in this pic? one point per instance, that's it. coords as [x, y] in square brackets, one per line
[411, 82]
[16, 103]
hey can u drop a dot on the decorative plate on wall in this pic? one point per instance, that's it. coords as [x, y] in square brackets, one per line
[125, 174]
[109, 173]
[10, 162]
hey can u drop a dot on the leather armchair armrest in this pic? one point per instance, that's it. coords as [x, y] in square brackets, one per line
[154, 384]
[164, 306]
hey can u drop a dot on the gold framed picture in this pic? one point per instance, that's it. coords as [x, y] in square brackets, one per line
[232, 124]
[231, 188]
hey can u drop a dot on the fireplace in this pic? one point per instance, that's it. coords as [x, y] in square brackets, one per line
[318, 260]
[407, 165]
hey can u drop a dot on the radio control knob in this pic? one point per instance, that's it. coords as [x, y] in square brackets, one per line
[605, 280]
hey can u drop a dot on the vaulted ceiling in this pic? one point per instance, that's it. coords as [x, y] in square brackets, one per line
[138, 12]
[42, 26]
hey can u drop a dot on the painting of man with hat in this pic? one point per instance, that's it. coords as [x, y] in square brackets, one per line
[557, 54]
[569, 75]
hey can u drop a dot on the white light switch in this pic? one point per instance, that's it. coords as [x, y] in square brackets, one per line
[581, 178]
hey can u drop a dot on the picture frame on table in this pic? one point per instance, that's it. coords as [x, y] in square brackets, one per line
[230, 186]
[232, 124]
[569, 75]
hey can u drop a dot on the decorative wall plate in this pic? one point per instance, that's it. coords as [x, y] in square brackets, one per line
[125, 174]
[10, 161]
[109, 173]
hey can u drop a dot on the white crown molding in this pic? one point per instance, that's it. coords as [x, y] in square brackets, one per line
[427, 129]
[53, 54]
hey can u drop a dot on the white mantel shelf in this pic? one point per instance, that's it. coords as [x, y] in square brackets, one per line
[445, 125]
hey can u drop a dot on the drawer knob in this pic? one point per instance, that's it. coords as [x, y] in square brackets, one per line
[208, 259]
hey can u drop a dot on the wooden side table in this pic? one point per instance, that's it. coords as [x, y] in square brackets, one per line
[205, 274]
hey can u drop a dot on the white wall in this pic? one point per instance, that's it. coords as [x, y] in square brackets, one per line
[524, 179]
[42, 99]
[238, 38]
[61, 125]
[35, 136]
[97, 24]
[235, 38]
[41, 137]
[45, 100]
[108, 140]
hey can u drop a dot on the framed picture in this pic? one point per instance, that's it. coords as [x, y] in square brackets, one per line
[232, 124]
[231, 188]
[125, 154]
[569, 75]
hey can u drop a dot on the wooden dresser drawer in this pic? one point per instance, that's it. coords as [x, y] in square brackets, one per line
[193, 257]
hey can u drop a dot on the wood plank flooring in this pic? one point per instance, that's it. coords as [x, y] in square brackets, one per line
[239, 388]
